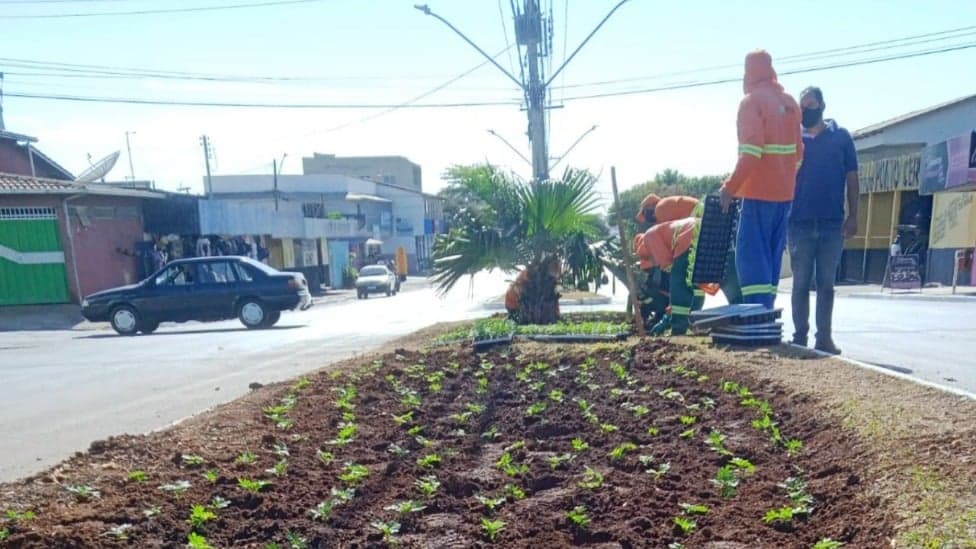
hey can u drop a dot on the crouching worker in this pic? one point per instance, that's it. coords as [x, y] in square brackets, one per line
[668, 246]
[514, 294]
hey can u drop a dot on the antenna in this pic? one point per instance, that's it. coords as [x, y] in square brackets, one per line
[99, 170]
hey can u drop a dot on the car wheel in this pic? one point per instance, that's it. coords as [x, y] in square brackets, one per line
[365, 295]
[148, 326]
[252, 313]
[271, 319]
[389, 291]
[125, 320]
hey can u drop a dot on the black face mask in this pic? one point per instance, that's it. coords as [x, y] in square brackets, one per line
[811, 117]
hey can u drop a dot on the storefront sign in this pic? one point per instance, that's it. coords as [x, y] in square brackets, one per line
[903, 273]
[949, 165]
[899, 173]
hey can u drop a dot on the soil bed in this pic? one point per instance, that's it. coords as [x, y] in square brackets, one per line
[658, 425]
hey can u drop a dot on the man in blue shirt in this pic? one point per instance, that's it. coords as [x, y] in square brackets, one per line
[818, 225]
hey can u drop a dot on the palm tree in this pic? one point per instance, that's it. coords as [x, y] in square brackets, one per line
[548, 229]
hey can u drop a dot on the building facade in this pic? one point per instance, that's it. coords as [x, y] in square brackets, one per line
[391, 170]
[891, 204]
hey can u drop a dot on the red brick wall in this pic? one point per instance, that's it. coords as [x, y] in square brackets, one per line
[14, 159]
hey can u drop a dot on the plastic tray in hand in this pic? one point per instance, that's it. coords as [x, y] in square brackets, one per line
[715, 238]
[720, 316]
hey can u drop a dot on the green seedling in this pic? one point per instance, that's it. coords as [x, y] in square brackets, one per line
[354, 474]
[295, 541]
[397, 450]
[403, 419]
[199, 515]
[279, 470]
[435, 382]
[324, 457]
[4, 534]
[424, 441]
[119, 532]
[411, 400]
[661, 470]
[684, 525]
[246, 458]
[716, 441]
[781, 515]
[346, 434]
[341, 496]
[796, 489]
[687, 434]
[196, 541]
[83, 492]
[555, 462]
[301, 384]
[645, 460]
[281, 450]
[210, 475]
[461, 418]
[727, 480]
[556, 395]
[688, 420]
[608, 428]
[429, 461]
[253, 486]
[492, 528]
[219, 503]
[653, 431]
[19, 516]
[491, 503]
[708, 403]
[579, 445]
[415, 430]
[176, 488]
[693, 509]
[538, 386]
[322, 512]
[827, 543]
[621, 450]
[535, 409]
[507, 465]
[389, 529]
[428, 486]
[475, 408]
[676, 545]
[619, 371]
[592, 479]
[670, 394]
[482, 387]
[152, 511]
[491, 434]
[514, 492]
[793, 447]
[192, 460]
[743, 465]
[578, 517]
[138, 476]
[640, 410]
[404, 508]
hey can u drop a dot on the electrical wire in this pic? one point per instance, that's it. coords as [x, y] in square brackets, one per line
[155, 11]
[508, 43]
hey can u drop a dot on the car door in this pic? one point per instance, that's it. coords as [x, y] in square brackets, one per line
[215, 289]
[167, 297]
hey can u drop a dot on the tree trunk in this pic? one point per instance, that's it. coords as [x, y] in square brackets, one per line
[538, 299]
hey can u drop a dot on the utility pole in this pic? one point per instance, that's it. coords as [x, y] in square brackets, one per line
[534, 32]
[128, 148]
[205, 141]
[274, 184]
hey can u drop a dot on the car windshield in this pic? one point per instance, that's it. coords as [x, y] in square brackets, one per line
[373, 271]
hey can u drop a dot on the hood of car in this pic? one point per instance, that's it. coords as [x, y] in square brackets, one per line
[112, 292]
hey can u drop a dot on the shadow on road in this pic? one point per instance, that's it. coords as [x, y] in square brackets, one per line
[196, 332]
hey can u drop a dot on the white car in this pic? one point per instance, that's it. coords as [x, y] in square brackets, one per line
[375, 279]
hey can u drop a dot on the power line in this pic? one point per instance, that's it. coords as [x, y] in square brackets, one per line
[234, 104]
[700, 84]
[808, 56]
[158, 11]
[508, 43]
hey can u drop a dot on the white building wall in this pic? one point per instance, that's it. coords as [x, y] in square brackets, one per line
[930, 128]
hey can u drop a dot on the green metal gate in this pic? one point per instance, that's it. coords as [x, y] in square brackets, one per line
[32, 269]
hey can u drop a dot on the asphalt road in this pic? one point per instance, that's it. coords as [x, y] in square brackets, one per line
[61, 390]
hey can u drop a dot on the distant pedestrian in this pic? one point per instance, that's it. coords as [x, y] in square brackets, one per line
[818, 225]
[764, 178]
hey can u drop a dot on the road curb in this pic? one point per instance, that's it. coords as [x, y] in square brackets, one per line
[899, 375]
[914, 297]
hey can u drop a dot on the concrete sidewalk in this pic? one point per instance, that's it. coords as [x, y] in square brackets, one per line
[875, 291]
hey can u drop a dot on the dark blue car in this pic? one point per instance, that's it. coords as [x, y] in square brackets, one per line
[204, 289]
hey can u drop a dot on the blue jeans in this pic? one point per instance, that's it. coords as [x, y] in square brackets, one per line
[815, 250]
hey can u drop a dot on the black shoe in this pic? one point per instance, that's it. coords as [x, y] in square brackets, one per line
[827, 347]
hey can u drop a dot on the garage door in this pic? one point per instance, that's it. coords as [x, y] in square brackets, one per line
[32, 269]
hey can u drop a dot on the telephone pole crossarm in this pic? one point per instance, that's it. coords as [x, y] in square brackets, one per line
[426, 9]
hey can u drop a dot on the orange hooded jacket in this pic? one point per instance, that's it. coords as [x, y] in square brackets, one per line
[669, 208]
[770, 139]
[662, 243]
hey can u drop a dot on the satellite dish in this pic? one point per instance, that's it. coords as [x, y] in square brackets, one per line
[98, 170]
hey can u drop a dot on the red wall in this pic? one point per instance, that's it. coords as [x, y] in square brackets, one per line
[99, 264]
[14, 159]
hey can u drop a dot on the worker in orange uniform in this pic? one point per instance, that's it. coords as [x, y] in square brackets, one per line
[770, 150]
[667, 246]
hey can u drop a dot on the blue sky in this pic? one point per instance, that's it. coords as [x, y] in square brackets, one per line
[384, 51]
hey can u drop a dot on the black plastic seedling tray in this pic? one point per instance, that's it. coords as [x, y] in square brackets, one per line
[715, 237]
